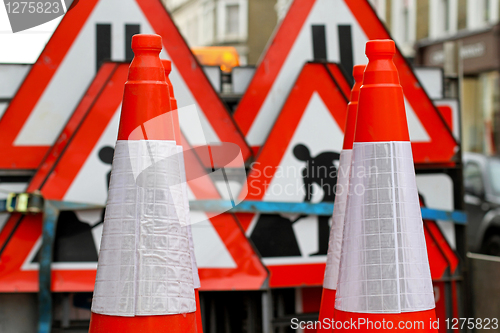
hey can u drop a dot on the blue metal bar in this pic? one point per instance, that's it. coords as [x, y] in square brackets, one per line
[44, 274]
[322, 209]
[247, 206]
[59, 205]
[67, 205]
[456, 216]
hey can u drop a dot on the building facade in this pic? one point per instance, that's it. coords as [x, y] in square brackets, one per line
[244, 24]
[461, 37]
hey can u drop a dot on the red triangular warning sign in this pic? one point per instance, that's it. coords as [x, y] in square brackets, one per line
[336, 30]
[77, 169]
[298, 163]
[20, 238]
[93, 31]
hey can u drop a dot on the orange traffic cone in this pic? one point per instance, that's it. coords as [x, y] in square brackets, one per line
[384, 280]
[144, 279]
[327, 308]
[167, 65]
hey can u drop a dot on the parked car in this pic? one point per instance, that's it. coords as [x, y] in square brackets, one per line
[482, 202]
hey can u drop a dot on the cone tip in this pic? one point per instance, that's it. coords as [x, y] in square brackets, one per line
[144, 41]
[381, 109]
[352, 108]
[357, 73]
[167, 65]
[380, 47]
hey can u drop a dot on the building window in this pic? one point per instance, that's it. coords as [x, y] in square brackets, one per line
[208, 23]
[443, 18]
[446, 12]
[423, 19]
[480, 13]
[406, 19]
[444, 15]
[232, 20]
[403, 25]
[462, 14]
[486, 11]
[192, 30]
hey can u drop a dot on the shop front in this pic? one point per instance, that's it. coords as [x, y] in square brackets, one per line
[472, 58]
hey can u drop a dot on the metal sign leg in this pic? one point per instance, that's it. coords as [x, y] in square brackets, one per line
[44, 275]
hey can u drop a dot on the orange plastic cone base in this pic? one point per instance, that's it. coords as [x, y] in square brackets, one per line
[199, 324]
[180, 323]
[352, 107]
[327, 309]
[381, 108]
[422, 321]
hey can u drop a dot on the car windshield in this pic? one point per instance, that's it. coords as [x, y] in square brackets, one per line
[495, 174]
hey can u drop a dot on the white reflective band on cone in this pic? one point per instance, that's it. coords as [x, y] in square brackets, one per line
[383, 266]
[144, 264]
[196, 277]
[335, 240]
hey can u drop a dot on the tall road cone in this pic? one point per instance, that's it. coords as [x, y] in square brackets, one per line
[144, 277]
[327, 308]
[384, 280]
[167, 65]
